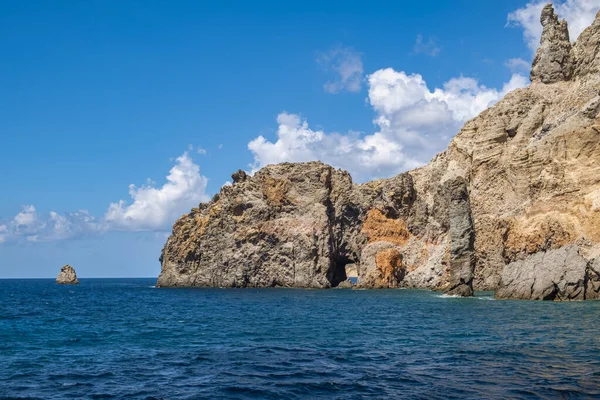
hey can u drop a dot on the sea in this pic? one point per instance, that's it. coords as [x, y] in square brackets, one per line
[126, 339]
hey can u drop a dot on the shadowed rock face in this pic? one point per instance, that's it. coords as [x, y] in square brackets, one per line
[515, 198]
[462, 239]
[67, 276]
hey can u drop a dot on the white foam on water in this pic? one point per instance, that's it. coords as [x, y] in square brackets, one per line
[447, 296]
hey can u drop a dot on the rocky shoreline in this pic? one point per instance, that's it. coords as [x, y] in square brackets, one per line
[513, 204]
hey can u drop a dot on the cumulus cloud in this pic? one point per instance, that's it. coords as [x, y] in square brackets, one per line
[150, 209]
[371, 155]
[578, 13]
[33, 227]
[26, 219]
[348, 69]
[157, 208]
[413, 124]
[429, 47]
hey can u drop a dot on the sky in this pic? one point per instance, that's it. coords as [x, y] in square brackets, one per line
[117, 117]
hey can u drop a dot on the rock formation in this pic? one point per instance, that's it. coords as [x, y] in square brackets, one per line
[553, 61]
[512, 205]
[67, 276]
[462, 239]
[561, 274]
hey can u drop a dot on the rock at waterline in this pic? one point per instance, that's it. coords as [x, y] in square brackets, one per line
[67, 276]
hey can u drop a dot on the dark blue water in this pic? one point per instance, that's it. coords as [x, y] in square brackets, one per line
[125, 339]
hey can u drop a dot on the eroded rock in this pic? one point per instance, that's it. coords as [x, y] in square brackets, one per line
[554, 275]
[67, 276]
[553, 61]
[462, 240]
[592, 283]
[381, 266]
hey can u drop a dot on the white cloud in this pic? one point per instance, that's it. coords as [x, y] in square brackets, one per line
[518, 65]
[34, 227]
[157, 208]
[373, 155]
[414, 123]
[578, 13]
[152, 209]
[348, 67]
[429, 48]
[198, 149]
[26, 219]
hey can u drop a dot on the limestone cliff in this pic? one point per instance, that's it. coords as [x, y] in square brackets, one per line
[515, 196]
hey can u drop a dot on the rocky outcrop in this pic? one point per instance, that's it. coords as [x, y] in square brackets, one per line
[304, 225]
[553, 61]
[586, 50]
[512, 205]
[556, 59]
[592, 283]
[381, 266]
[67, 276]
[554, 275]
[462, 240]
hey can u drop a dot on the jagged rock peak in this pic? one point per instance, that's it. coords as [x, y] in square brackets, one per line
[553, 60]
[67, 276]
[586, 50]
[239, 176]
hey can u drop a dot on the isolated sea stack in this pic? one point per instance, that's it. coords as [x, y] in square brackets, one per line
[67, 276]
[513, 204]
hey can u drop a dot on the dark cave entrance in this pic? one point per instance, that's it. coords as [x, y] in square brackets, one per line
[337, 270]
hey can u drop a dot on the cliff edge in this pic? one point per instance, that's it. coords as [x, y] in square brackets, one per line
[513, 204]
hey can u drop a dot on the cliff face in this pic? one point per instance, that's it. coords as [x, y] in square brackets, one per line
[514, 198]
[301, 225]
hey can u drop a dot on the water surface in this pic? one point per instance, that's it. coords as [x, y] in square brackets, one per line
[122, 338]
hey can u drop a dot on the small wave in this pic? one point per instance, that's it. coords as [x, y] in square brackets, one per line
[448, 296]
[455, 296]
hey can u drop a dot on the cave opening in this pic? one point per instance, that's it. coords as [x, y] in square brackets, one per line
[337, 270]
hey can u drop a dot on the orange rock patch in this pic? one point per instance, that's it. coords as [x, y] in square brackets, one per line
[390, 267]
[377, 227]
[536, 236]
[275, 191]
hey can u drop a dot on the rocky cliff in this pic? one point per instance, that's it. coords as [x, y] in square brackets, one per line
[512, 205]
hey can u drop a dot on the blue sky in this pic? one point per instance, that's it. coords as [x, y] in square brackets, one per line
[96, 96]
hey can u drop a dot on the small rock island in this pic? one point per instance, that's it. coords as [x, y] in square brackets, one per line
[67, 276]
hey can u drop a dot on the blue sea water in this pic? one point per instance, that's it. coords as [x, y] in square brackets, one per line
[122, 338]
